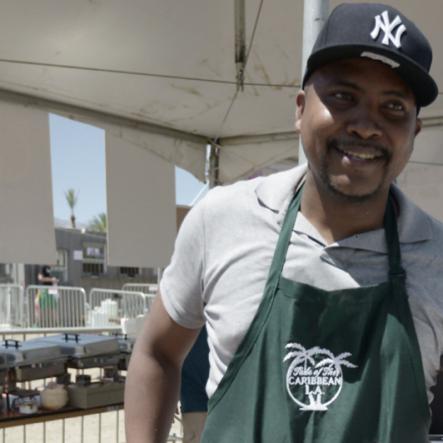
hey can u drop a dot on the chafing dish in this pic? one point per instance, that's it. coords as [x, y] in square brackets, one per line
[87, 350]
[32, 360]
[126, 345]
[6, 362]
[84, 351]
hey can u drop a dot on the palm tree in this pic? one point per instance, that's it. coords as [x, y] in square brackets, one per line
[301, 353]
[99, 223]
[338, 361]
[71, 199]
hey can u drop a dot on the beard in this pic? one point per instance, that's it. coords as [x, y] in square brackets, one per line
[329, 182]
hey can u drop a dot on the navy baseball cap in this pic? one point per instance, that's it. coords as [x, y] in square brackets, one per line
[379, 32]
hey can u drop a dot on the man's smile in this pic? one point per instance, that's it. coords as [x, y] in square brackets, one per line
[359, 151]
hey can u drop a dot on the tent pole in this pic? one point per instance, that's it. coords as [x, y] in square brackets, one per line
[315, 13]
[240, 42]
[213, 178]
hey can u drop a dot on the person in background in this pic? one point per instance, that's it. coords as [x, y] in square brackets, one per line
[46, 300]
[45, 276]
[193, 397]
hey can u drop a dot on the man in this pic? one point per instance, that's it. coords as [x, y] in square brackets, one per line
[45, 302]
[45, 276]
[319, 286]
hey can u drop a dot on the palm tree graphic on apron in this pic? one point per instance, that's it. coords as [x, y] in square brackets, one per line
[314, 378]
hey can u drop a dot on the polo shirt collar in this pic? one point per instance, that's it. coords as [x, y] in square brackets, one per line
[276, 191]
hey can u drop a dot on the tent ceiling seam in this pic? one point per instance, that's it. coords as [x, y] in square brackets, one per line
[253, 31]
[145, 74]
[239, 140]
[67, 108]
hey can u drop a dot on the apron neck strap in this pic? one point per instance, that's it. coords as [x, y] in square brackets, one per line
[391, 234]
[392, 240]
[284, 238]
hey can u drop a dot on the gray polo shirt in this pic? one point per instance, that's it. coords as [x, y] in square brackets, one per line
[224, 250]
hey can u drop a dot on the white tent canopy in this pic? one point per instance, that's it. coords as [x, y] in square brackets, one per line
[162, 74]
[170, 67]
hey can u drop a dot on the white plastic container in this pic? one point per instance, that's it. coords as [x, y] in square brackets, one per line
[54, 397]
[110, 308]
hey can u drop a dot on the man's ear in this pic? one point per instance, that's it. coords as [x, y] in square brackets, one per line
[300, 101]
[418, 126]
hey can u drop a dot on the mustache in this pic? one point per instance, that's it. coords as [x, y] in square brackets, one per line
[342, 143]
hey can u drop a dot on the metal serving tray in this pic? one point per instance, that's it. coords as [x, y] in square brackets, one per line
[40, 370]
[96, 394]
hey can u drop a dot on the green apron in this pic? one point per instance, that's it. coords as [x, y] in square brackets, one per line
[325, 366]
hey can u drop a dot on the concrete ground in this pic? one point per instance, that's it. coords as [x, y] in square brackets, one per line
[109, 428]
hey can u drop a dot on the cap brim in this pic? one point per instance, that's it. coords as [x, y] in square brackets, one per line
[422, 84]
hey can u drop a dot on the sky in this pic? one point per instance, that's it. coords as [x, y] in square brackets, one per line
[78, 162]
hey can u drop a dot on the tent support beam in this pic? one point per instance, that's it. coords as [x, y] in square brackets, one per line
[240, 42]
[213, 165]
[257, 139]
[315, 13]
[75, 112]
[432, 121]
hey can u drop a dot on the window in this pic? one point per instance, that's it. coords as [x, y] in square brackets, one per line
[62, 255]
[93, 252]
[60, 269]
[94, 269]
[128, 271]
[94, 258]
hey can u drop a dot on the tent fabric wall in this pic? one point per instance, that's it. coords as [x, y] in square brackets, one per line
[140, 205]
[185, 154]
[423, 176]
[422, 183]
[26, 224]
[244, 159]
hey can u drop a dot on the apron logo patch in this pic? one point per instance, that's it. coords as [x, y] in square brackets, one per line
[315, 377]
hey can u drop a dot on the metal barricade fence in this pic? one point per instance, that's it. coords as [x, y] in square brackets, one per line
[149, 291]
[146, 288]
[12, 306]
[55, 306]
[109, 306]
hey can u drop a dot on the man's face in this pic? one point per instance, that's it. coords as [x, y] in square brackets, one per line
[357, 119]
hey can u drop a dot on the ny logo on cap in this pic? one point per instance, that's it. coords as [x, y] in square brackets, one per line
[382, 23]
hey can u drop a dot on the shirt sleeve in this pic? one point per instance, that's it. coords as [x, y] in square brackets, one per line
[181, 286]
